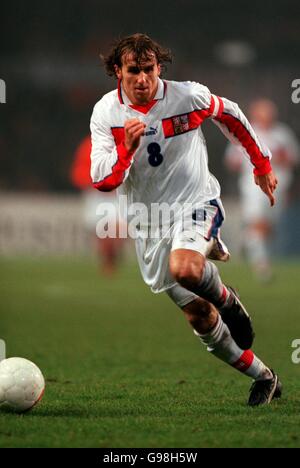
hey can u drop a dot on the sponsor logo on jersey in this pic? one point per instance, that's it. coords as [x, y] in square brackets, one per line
[152, 131]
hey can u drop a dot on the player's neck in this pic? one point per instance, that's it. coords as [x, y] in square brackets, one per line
[140, 102]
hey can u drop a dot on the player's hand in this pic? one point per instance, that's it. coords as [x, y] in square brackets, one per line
[134, 129]
[268, 184]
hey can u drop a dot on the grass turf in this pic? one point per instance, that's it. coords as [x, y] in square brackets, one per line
[123, 368]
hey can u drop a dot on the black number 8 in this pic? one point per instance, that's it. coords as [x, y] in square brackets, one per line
[155, 157]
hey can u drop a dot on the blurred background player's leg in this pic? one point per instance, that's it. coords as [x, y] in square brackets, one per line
[108, 249]
[110, 252]
[260, 222]
[256, 247]
[108, 246]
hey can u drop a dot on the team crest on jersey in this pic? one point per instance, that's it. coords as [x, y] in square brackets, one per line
[180, 123]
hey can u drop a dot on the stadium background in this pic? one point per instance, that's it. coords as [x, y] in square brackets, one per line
[50, 62]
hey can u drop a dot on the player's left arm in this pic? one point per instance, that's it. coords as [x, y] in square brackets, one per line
[230, 119]
[233, 123]
[267, 183]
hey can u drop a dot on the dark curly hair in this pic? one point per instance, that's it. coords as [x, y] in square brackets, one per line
[142, 47]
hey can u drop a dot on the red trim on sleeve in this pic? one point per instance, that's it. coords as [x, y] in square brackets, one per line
[261, 163]
[123, 152]
[197, 117]
[212, 104]
[119, 134]
[263, 169]
[221, 107]
[245, 361]
[113, 180]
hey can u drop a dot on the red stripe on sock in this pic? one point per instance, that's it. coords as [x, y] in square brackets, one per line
[245, 361]
[224, 294]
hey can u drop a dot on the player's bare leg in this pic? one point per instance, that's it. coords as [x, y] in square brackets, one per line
[211, 329]
[195, 273]
[215, 335]
[192, 271]
[202, 315]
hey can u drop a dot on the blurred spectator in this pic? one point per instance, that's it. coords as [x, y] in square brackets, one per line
[108, 249]
[260, 220]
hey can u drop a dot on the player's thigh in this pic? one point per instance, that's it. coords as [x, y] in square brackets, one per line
[188, 254]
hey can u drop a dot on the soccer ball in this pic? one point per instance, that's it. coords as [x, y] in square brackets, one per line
[22, 384]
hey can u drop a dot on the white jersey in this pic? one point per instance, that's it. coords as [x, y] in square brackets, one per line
[171, 163]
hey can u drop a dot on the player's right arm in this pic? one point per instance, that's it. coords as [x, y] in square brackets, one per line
[133, 130]
[111, 161]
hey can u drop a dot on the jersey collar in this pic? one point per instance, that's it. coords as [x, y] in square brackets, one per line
[160, 94]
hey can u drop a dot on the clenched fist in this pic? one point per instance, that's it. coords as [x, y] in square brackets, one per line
[134, 129]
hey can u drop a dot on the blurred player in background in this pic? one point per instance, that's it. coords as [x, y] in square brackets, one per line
[109, 249]
[146, 136]
[258, 219]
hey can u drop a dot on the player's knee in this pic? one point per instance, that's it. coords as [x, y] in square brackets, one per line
[187, 275]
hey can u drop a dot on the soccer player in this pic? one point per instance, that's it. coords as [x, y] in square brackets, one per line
[147, 138]
[259, 220]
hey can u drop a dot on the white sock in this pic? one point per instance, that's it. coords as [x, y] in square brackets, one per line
[220, 343]
[211, 287]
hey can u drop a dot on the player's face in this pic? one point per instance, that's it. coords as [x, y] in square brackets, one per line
[140, 81]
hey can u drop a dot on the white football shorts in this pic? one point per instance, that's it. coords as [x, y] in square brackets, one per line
[203, 236]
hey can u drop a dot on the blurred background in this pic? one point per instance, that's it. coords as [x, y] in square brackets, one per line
[121, 364]
[50, 64]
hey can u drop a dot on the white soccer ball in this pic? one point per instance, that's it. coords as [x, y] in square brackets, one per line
[22, 384]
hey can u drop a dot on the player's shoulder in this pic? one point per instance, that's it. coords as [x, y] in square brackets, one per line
[107, 104]
[187, 87]
[196, 94]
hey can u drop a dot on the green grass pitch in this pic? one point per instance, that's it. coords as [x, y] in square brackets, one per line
[123, 368]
